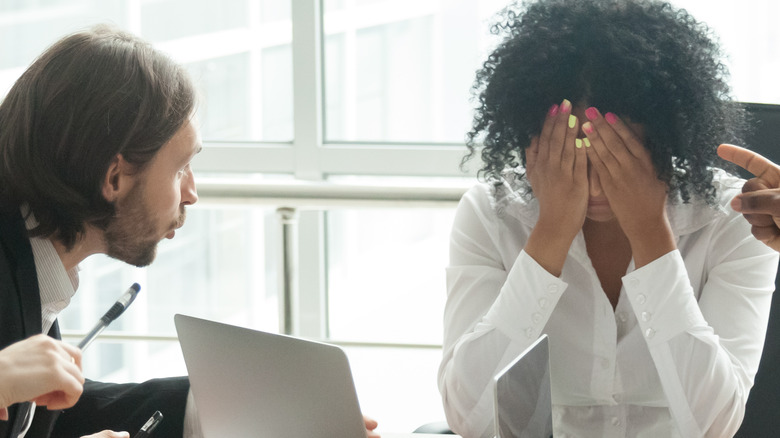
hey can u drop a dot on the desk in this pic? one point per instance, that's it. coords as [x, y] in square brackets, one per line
[415, 435]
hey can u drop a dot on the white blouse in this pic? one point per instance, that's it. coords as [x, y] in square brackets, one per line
[676, 357]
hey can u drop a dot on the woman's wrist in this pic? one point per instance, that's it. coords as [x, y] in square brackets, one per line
[549, 245]
[651, 241]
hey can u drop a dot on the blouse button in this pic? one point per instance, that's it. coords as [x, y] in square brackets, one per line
[649, 333]
[542, 303]
[646, 316]
[529, 332]
[615, 421]
[553, 288]
[641, 299]
[537, 317]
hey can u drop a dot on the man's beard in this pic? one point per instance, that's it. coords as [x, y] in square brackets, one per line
[130, 235]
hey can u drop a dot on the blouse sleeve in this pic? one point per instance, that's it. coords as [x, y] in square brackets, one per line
[707, 351]
[486, 302]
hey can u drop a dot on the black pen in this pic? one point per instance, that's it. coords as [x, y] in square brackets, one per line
[150, 425]
[113, 313]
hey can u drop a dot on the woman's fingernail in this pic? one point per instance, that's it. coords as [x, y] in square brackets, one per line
[736, 204]
[553, 111]
[592, 113]
[578, 143]
[611, 118]
[565, 106]
[587, 127]
[572, 120]
[586, 141]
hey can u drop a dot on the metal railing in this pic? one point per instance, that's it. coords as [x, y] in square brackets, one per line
[290, 198]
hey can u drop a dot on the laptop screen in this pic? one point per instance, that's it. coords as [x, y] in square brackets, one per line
[522, 397]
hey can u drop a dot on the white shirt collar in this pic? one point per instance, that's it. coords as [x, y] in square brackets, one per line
[56, 284]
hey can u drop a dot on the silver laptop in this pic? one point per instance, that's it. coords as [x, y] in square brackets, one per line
[248, 383]
[522, 397]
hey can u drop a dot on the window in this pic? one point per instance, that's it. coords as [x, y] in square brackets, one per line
[750, 38]
[400, 72]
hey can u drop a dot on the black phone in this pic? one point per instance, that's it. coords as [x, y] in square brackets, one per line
[150, 425]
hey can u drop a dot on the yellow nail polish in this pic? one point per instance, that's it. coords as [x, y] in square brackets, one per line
[578, 143]
[586, 141]
[572, 120]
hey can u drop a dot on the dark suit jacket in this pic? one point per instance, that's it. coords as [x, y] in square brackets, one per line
[102, 405]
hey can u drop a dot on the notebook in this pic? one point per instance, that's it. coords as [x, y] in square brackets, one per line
[248, 383]
[522, 397]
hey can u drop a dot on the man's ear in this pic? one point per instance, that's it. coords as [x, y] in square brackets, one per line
[119, 179]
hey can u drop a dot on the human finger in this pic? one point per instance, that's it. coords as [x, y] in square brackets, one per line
[547, 128]
[74, 353]
[108, 434]
[755, 184]
[371, 424]
[766, 202]
[627, 135]
[69, 386]
[64, 378]
[614, 135]
[581, 160]
[559, 130]
[598, 155]
[531, 154]
[766, 234]
[570, 142]
[547, 125]
[65, 397]
[759, 220]
[4, 414]
[752, 162]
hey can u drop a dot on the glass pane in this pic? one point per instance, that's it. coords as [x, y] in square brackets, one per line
[750, 37]
[402, 72]
[193, 18]
[221, 265]
[386, 274]
[238, 52]
[397, 386]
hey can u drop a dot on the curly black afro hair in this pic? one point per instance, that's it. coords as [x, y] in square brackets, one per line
[643, 60]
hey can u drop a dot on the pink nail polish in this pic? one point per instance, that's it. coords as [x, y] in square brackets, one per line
[611, 118]
[592, 113]
[587, 128]
[553, 111]
[565, 106]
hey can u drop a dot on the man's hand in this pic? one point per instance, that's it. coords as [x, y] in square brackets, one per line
[371, 424]
[40, 369]
[760, 198]
[109, 434]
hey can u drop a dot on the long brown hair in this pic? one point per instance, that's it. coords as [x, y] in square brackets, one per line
[92, 95]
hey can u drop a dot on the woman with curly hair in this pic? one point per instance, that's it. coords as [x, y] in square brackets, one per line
[604, 224]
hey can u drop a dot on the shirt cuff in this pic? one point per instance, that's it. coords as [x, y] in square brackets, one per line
[662, 298]
[526, 301]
